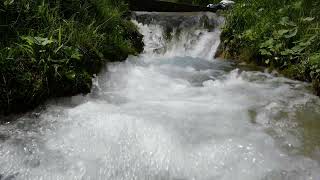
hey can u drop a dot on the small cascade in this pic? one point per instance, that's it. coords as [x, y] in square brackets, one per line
[180, 34]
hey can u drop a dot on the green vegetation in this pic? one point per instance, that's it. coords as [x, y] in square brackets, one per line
[54, 48]
[280, 34]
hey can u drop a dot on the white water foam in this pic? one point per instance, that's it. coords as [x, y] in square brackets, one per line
[191, 40]
[167, 116]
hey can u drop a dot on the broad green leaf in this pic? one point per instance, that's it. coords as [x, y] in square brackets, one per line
[37, 40]
[282, 32]
[42, 41]
[298, 49]
[8, 2]
[315, 59]
[28, 39]
[76, 55]
[286, 22]
[292, 33]
[307, 19]
[71, 75]
[287, 52]
[277, 47]
[298, 5]
[267, 44]
[46, 42]
[265, 52]
[267, 61]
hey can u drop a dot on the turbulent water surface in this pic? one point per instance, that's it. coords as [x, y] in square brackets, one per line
[173, 113]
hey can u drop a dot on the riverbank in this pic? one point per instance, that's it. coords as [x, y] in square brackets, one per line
[54, 49]
[281, 35]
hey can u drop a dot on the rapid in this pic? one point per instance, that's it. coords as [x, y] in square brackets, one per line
[172, 113]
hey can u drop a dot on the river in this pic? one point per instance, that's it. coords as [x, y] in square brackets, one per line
[172, 113]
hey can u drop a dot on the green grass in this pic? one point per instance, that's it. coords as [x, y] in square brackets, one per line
[53, 48]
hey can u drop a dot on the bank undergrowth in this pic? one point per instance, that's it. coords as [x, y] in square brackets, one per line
[54, 48]
[280, 34]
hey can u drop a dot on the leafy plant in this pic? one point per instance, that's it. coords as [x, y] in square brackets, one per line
[54, 48]
[279, 33]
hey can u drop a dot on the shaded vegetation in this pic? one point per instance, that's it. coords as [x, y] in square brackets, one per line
[54, 48]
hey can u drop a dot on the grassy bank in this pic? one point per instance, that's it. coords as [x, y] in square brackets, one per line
[280, 34]
[54, 48]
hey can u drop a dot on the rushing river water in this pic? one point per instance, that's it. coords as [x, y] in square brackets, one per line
[173, 113]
